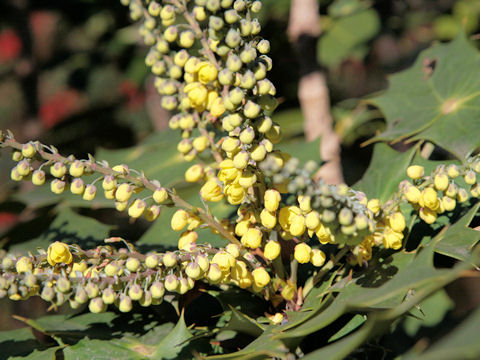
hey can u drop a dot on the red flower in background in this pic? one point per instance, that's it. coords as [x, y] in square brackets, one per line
[58, 107]
[135, 98]
[10, 45]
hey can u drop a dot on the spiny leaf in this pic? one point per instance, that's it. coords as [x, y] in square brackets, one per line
[437, 99]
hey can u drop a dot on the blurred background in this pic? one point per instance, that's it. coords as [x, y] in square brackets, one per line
[72, 74]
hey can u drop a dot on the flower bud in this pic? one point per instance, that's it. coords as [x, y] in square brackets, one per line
[77, 187]
[193, 270]
[452, 171]
[108, 296]
[92, 290]
[47, 294]
[374, 205]
[132, 264]
[268, 219]
[412, 194]
[415, 172]
[397, 222]
[317, 257]
[157, 289]
[135, 292]
[440, 181]
[252, 238]
[251, 110]
[272, 250]
[29, 150]
[57, 186]
[125, 304]
[470, 177]
[211, 191]
[260, 277]
[169, 259]
[24, 264]
[302, 253]
[58, 169]
[179, 220]
[137, 208]
[123, 192]
[171, 283]
[38, 177]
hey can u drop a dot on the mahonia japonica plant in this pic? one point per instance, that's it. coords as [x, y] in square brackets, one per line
[211, 66]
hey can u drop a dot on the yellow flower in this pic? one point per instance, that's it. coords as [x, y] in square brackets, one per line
[397, 222]
[324, 234]
[268, 219]
[260, 277]
[374, 205]
[235, 194]
[297, 226]
[272, 250]
[24, 264]
[197, 94]
[179, 220]
[392, 239]
[412, 194]
[429, 199]
[286, 216]
[58, 253]
[427, 215]
[187, 239]
[415, 171]
[211, 191]
[441, 182]
[272, 199]
[228, 172]
[224, 260]
[194, 173]
[302, 253]
[206, 72]
[160, 195]
[252, 238]
[317, 257]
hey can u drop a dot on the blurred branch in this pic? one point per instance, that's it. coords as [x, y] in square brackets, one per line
[303, 31]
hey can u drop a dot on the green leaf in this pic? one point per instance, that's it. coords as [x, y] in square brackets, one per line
[353, 324]
[301, 149]
[458, 239]
[156, 156]
[71, 228]
[429, 312]
[386, 170]
[171, 346]
[346, 35]
[39, 354]
[19, 342]
[437, 99]
[87, 349]
[461, 343]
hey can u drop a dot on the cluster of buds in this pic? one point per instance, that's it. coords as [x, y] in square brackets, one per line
[39, 164]
[104, 276]
[441, 190]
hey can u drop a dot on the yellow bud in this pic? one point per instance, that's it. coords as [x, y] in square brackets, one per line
[186, 239]
[59, 253]
[121, 205]
[57, 186]
[374, 205]
[302, 253]
[288, 292]
[272, 200]
[247, 179]
[297, 226]
[470, 177]
[58, 169]
[224, 260]
[214, 273]
[132, 264]
[235, 194]
[137, 208]
[24, 264]
[109, 183]
[268, 219]
[169, 259]
[152, 213]
[312, 220]
[157, 289]
[392, 239]
[260, 277]
[77, 187]
[258, 153]
[200, 143]
[448, 203]
[179, 220]
[28, 150]
[317, 257]
[304, 203]
[217, 108]
[242, 227]
[160, 195]
[123, 192]
[441, 182]
[415, 172]
[462, 195]
[233, 249]
[211, 191]
[252, 238]
[412, 194]
[206, 72]
[38, 177]
[429, 198]
[272, 250]
[194, 173]
[452, 171]
[324, 234]
[427, 215]
[240, 160]
[397, 222]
